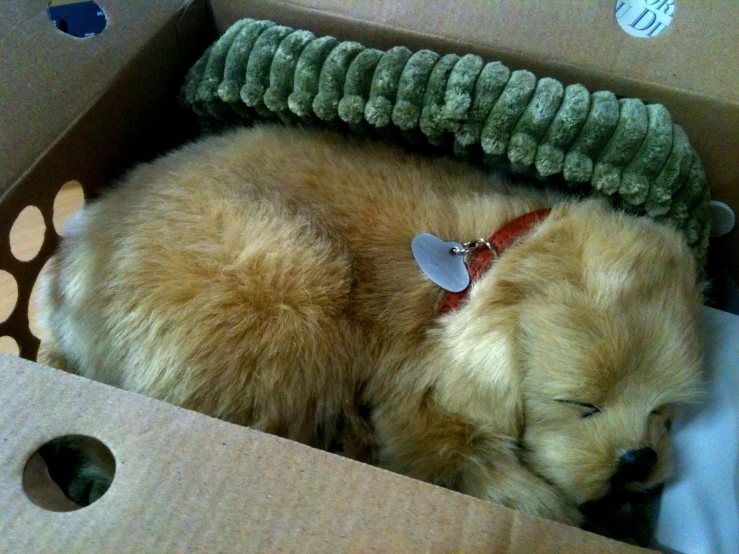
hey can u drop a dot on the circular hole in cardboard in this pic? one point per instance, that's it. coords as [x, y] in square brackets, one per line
[69, 200]
[77, 19]
[8, 345]
[8, 294]
[27, 234]
[69, 473]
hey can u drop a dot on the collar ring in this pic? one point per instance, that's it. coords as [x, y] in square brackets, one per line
[474, 245]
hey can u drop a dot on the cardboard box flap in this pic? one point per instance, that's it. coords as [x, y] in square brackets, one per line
[50, 79]
[185, 482]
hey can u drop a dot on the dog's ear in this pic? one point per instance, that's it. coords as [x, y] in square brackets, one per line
[477, 366]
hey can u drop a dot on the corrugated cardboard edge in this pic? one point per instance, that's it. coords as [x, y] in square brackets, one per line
[186, 482]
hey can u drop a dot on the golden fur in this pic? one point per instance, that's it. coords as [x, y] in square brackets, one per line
[265, 277]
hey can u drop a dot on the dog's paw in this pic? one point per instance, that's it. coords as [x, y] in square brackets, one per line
[565, 512]
[523, 491]
[543, 500]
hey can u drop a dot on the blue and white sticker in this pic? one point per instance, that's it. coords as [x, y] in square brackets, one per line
[644, 18]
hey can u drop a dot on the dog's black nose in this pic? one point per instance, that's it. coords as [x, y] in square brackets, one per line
[636, 465]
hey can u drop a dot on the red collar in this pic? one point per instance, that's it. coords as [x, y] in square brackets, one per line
[479, 260]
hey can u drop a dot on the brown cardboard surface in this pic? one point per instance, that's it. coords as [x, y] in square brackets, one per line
[49, 79]
[185, 482]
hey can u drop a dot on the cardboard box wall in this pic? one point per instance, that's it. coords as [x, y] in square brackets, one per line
[86, 109]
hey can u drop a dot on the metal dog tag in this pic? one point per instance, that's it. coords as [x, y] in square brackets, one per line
[440, 263]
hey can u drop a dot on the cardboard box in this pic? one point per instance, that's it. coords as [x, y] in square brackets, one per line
[84, 110]
[185, 482]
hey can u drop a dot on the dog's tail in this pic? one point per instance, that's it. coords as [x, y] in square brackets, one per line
[50, 302]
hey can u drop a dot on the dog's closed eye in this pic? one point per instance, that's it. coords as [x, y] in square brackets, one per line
[668, 420]
[584, 409]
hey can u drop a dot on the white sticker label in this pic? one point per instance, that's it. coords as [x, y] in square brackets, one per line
[644, 18]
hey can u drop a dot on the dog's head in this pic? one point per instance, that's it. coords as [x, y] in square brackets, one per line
[604, 310]
[610, 345]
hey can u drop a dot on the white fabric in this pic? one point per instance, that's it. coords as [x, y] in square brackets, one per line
[699, 512]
